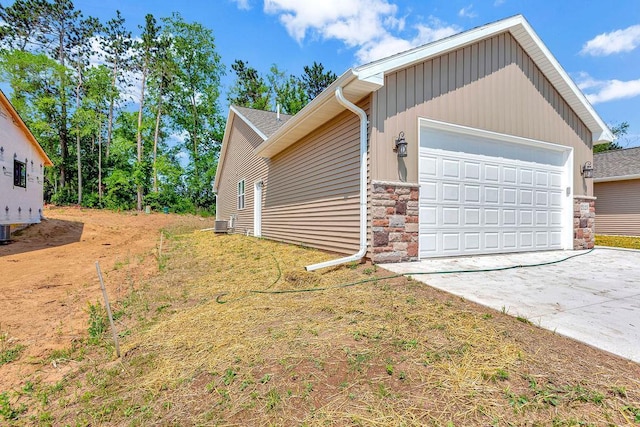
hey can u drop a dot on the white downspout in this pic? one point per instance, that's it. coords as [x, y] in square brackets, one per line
[363, 187]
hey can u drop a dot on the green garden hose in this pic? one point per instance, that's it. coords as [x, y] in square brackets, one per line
[375, 279]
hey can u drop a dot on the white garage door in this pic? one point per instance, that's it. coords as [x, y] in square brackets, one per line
[482, 194]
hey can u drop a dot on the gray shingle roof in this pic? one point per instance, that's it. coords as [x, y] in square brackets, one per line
[265, 121]
[616, 163]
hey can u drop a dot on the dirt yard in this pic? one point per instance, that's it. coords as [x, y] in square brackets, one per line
[49, 277]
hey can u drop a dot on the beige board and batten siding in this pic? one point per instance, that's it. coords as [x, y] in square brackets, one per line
[618, 207]
[312, 194]
[492, 85]
[240, 163]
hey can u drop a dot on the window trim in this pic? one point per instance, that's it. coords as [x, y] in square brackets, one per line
[241, 192]
[19, 174]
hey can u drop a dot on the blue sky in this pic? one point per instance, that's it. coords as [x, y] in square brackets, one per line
[597, 42]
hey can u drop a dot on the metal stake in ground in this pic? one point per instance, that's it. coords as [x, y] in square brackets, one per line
[106, 303]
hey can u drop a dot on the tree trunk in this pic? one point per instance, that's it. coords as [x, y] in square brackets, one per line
[194, 135]
[100, 164]
[156, 134]
[139, 133]
[111, 102]
[78, 155]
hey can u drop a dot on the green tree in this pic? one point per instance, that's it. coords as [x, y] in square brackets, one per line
[290, 93]
[33, 78]
[147, 49]
[619, 131]
[249, 89]
[316, 79]
[194, 108]
[117, 44]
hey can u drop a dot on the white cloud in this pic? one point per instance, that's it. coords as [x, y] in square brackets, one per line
[598, 91]
[242, 4]
[614, 42]
[499, 2]
[467, 12]
[371, 26]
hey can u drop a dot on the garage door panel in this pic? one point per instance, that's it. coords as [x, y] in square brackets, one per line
[471, 170]
[526, 176]
[509, 175]
[473, 204]
[491, 173]
[491, 194]
[428, 191]
[509, 196]
[428, 166]
[471, 193]
[450, 192]
[450, 216]
[526, 197]
[450, 168]
[472, 216]
[526, 239]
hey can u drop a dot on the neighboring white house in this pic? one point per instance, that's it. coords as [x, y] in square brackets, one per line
[22, 163]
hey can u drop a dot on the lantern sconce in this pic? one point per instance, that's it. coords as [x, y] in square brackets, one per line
[400, 145]
[587, 170]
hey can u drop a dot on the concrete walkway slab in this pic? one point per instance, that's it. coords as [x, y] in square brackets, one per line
[593, 297]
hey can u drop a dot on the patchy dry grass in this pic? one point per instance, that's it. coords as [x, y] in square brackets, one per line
[629, 242]
[212, 340]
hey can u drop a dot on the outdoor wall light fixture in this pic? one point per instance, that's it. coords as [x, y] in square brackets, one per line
[587, 170]
[401, 145]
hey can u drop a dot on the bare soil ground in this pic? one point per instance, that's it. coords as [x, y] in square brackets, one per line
[49, 277]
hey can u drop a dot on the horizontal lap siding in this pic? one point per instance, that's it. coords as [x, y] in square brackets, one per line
[492, 85]
[240, 163]
[312, 193]
[618, 207]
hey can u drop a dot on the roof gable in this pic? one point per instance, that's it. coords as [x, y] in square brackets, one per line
[617, 165]
[17, 120]
[263, 123]
[365, 79]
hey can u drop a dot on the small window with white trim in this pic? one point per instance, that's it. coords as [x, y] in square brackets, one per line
[241, 194]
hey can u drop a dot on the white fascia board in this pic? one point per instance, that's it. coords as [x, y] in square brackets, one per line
[223, 149]
[600, 132]
[617, 178]
[435, 48]
[531, 43]
[225, 140]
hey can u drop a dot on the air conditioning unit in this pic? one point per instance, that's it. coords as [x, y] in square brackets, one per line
[5, 234]
[221, 227]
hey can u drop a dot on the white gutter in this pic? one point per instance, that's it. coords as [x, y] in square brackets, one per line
[363, 186]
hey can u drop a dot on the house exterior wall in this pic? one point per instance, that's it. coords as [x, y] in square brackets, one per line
[240, 163]
[618, 207]
[492, 85]
[311, 196]
[19, 205]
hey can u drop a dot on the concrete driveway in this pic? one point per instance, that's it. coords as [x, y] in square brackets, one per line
[593, 297]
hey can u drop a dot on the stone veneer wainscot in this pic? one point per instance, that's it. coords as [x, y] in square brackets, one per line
[584, 220]
[394, 223]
